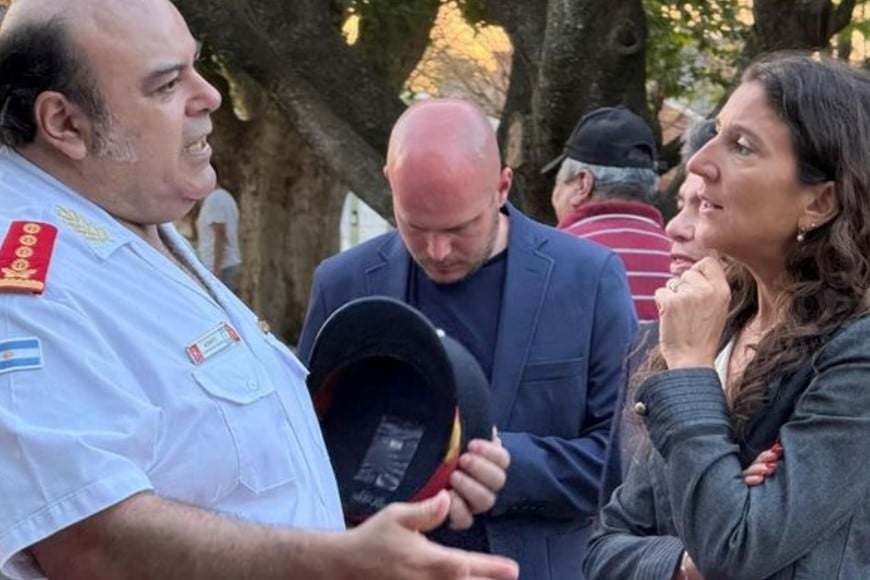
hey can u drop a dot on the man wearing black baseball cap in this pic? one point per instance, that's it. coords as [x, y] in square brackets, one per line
[603, 189]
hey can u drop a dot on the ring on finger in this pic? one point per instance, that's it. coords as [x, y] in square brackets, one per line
[674, 284]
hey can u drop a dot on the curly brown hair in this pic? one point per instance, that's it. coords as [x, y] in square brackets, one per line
[826, 107]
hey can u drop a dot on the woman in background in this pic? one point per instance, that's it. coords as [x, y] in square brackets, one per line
[777, 351]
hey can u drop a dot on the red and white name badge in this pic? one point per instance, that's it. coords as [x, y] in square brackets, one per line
[212, 342]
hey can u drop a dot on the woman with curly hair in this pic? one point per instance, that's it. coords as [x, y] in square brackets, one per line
[773, 350]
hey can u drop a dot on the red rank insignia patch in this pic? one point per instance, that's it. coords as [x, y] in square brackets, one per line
[25, 255]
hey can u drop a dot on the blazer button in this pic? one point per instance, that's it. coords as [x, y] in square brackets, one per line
[640, 408]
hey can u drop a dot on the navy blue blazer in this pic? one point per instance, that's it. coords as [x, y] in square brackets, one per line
[566, 323]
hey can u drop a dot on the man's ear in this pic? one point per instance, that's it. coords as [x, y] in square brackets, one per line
[505, 179]
[583, 190]
[62, 125]
[823, 206]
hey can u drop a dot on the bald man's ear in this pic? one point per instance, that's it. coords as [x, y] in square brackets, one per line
[62, 125]
[504, 184]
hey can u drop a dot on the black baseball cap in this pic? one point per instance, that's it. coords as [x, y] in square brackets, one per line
[610, 136]
[397, 400]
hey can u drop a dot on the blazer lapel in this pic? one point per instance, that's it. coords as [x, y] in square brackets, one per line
[388, 273]
[526, 282]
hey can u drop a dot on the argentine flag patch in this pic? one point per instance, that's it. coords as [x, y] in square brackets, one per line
[18, 354]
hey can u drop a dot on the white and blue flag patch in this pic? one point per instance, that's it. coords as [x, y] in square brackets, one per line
[18, 354]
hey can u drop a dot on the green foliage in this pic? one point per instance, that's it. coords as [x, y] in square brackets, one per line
[693, 49]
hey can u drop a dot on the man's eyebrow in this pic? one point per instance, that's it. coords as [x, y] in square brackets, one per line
[155, 75]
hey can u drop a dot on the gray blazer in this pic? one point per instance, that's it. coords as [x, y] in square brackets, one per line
[809, 520]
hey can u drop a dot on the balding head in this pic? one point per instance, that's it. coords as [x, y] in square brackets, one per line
[448, 141]
[445, 174]
[38, 54]
[42, 48]
[104, 96]
[449, 132]
[27, 13]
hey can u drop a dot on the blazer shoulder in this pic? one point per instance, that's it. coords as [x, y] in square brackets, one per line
[851, 338]
[555, 240]
[563, 245]
[361, 255]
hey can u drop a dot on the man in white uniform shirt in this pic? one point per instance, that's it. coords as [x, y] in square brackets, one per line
[148, 427]
[217, 237]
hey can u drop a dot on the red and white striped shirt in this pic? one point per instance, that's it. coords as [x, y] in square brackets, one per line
[635, 231]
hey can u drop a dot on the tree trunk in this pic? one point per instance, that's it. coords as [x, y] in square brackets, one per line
[570, 56]
[289, 203]
[795, 25]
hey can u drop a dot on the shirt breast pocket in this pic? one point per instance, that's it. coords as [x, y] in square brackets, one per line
[254, 416]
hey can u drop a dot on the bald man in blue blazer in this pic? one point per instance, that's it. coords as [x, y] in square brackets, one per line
[549, 317]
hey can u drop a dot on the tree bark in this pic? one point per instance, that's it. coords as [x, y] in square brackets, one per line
[290, 204]
[569, 57]
[795, 25]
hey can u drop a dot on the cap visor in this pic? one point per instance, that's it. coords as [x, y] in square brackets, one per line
[553, 164]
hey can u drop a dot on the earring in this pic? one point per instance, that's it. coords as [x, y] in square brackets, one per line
[801, 235]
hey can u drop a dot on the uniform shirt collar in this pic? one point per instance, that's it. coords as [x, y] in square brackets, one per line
[72, 211]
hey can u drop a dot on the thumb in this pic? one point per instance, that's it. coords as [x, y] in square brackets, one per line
[710, 268]
[425, 515]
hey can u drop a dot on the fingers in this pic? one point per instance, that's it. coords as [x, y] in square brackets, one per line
[493, 568]
[389, 546]
[460, 516]
[481, 474]
[477, 497]
[756, 473]
[763, 466]
[709, 267]
[493, 451]
[673, 284]
[420, 516]
[476, 566]
[705, 271]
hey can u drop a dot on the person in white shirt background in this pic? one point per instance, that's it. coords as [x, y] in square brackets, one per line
[217, 237]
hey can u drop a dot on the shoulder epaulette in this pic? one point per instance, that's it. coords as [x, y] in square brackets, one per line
[25, 256]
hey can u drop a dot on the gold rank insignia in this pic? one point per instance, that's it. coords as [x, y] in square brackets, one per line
[25, 256]
[81, 226]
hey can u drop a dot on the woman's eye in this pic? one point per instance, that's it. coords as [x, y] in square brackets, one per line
[742, 147]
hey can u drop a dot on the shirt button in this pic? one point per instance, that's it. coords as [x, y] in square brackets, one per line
[253, 386]
[640, 408]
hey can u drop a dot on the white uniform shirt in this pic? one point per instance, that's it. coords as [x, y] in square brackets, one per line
[111, 403]
[218, 208]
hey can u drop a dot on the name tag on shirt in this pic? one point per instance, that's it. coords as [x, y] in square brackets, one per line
[18, 354]
[212, 342]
